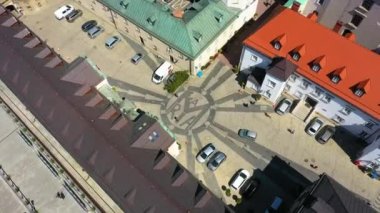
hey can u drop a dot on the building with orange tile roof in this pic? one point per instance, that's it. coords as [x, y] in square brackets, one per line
[326, 74]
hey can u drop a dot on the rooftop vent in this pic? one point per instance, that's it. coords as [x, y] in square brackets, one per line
[152, 20]
[197, 36]
[219, 17]
[124, 4]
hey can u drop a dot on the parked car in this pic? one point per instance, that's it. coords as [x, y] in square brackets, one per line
[112, 41]
[239, 178]
[275, 206]
[249, 187]
[63, 11]
[136, 58]
[88, 25]
[247, 134]
[205, 153]
[73, 15]
[314, 126]
[216, 160]
[283, 106]
[95, 31]
[325, 134]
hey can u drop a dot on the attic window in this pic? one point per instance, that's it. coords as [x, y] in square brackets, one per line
[219, 17]
[276, 45]
[152, 20]
[316, 67]
[197, 36]
[124, 4]
[359, 92]
[296, 55]
[335, 79]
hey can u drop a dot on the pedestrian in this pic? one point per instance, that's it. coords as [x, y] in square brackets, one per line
[267, 114]
[57, 195]
[175, 118]
[176, 95]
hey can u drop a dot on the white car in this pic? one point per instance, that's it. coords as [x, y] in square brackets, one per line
[239, 178]
[63, 11]
[205, 153]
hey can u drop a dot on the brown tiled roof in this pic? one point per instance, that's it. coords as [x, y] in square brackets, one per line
[124, 157]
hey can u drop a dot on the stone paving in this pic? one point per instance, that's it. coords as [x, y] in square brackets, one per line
[207, 109]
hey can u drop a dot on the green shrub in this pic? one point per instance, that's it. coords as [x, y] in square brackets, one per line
[179, 78]
[235, 69]
[228, 192]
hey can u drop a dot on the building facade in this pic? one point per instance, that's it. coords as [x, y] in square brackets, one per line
[185, 33]
[320, 70]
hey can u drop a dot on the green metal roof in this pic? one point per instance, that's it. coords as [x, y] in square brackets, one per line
[201, 23]
[290, 3]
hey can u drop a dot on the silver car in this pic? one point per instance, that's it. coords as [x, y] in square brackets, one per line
[112, 41]
[215, 161]
[95, 31]
[205, 153]
[247, 134]
[314, 126]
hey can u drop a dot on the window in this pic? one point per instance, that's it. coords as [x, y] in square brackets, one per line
[267, 94]
[363, 134]
[346, 110]
[271, 84]
[315, 67]
[180, 56]
[369, 124]
[359, 92]
[338, 119]
[126, 22]
[367, 4]
[305, 84]
[287, 87]
[293, 77]
[155, 47]
[296, 56]
[317, 92]
[137, 29]
[335, 79]
[126, 29]
[150, 37]
[327, 98]
[254, 58]
[320, 2]
[276, 45]
[115, 15]
[356, 20]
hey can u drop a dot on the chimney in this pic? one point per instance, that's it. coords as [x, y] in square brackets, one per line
[338, 26]
[313, 16]
[178, 13]
[350, 36]
[296, 6]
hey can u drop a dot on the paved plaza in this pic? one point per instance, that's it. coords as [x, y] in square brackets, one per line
[208, 109]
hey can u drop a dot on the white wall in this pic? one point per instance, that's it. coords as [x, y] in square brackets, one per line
[354, 122]
[272, 93]
[251, 58]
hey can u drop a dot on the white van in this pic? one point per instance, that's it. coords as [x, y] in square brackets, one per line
[162, 72]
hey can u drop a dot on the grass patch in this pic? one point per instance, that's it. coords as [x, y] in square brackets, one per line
[176, 80]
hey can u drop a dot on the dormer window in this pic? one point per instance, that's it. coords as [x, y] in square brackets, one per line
[296, 56]
[276, 45]
[359, 92]
[335, 79]
[315, 67]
